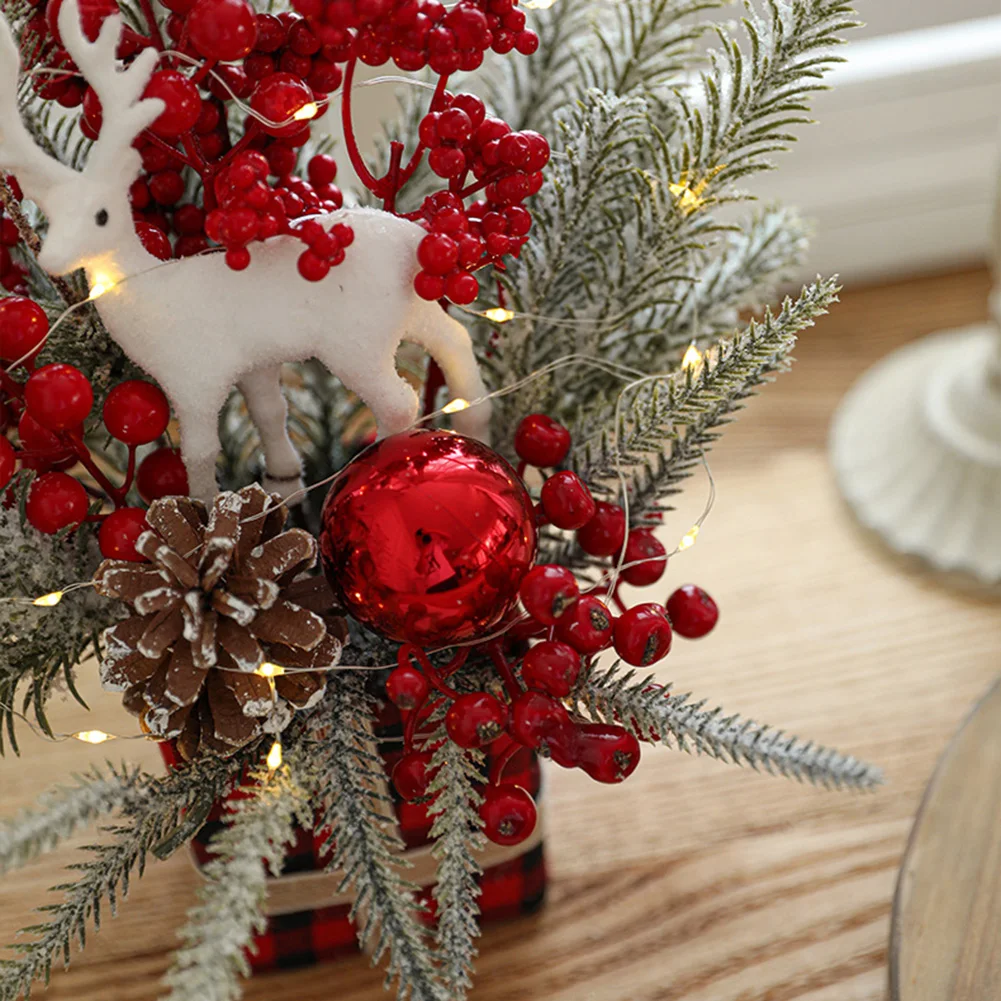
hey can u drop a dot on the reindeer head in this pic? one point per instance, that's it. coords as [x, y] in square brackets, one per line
[90, 219]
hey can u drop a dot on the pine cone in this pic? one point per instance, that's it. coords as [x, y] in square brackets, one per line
[219, 598]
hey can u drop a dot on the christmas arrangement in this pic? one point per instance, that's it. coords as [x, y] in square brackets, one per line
[357, 591]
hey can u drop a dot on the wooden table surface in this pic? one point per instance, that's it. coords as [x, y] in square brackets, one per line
[693, 879]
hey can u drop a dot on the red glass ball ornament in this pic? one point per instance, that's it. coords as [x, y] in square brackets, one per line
[162, 474]
[586, 625]
[183, 103]
[643, 635]
[427, 536]
[509, 814]
[223, 30]
[7, 461]
[607, 752]
[119, 532]
[412, 775]
[475, 719]
[23, 328]
[604, 534]
[58, 396]
[647, 552]
[277, 98]
[692, 611]
[55, 501]
[548, 591]
[551, 667]
[136, 412]
[567, 501]
[541, 441]
[407, 687]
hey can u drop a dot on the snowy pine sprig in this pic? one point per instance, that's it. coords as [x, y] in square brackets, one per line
[651, 711]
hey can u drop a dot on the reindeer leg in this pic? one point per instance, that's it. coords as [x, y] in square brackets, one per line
[388, 395]
[199, 448]
[268, 410]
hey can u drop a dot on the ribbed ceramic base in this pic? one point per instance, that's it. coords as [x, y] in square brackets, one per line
[916, 449]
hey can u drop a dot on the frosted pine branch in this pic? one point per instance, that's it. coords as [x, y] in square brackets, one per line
[645, 707]
[63, 810]
[210, 964]
[349, 775]
[457, 835]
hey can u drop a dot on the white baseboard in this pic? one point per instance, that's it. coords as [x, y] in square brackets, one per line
[900, 174]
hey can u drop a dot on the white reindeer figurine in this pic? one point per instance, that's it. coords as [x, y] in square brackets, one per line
[198, 327]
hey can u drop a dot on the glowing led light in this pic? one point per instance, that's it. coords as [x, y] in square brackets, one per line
[269, 670]
[274, 758]
[688, 539]
[693, 357]
[48, 600]
[455, 406]
[306, 112]
[100, 286]
[499, 314]
[93, 736]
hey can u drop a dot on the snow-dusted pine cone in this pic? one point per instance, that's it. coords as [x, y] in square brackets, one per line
[219, 598]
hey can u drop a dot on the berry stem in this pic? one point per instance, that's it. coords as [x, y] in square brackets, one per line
[350, 140]
[154, 28]
[496, 651]
[435, 380]
[408, 650]
[415, 160]
[392, 179]
[75, 441]
[415, 718]
[501, 762]
[155, 140]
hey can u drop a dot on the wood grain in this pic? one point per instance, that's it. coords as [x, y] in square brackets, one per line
[693, 879]
[946, 915]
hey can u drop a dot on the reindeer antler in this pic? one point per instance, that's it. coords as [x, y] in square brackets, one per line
[124, 114]
[36, 171]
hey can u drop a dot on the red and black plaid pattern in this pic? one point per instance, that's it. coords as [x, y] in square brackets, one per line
[317, 935]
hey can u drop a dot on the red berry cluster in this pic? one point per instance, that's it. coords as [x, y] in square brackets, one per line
[48, 411]
[419, 33]
[12, 274]
[506, 165]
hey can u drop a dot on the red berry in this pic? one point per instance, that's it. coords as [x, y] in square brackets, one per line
[189, 220]
[692, 612]
[58, 396]
[551, 667]
[276, 99]
[472, 106]
[55, 501]
[567, 501]
[119, 532]
[93, 13]
[540, 722]
[407, 687]
[322, 169]
[437, 254]
[23, 328]
[462, 288]
[644, 549]
[183, 104]
[526, 42]
[271, 33]
[547, 591]
[162, 474]
[136, 412]
[608, 753]
[541, 441]
[508, 813]
[586, 625]
[643, 635]
[475, 719]
[154, 241]
[238, 258]
[35, 438]
[7, 461]
[167, 187]
[312, 267]
[428, 286]
[412, 775]
[222, 30]
[604, 534]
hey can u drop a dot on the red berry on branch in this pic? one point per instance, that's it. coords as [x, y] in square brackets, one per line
[412, 775]
[162, 474]
[167, 187]
[238, 258]
[93, 13]
[551, 667]
[567, 501]
[222, 30]
[604, 534]
[277, 99]
[586, 625]
[643, 635]
[447, 161]
[322, 169]
[692, 611]
[312, 267]
[7, 462]
[119, 533]
[35, 438]
[55, 501]
[608, 753]
[183, 103]
[647, 552]
[473, 107]
[475, 719]
[428, 286]
[154, 241]
[271, 33]
[407, 687]
[462, 288]
[547, 591]
[23, 329]
[189, 220]
[540, 722]
[541, 441]
[508, 813]
[437, 254]
[58, 396]
[136, 412]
